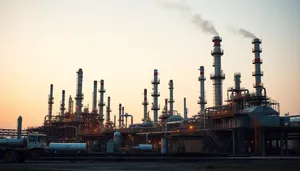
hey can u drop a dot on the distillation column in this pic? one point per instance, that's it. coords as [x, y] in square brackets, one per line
[185, 110]
[79, 95]
[202, 102]
[218, 76]
[171, 101]
[70, 105]
[50, 103]
[101, 103]
[120, 115]
[95, 98]
[237, 82]
[62, 105]
[155, 95]
[257, 62]
[145, 104]
[108, 110]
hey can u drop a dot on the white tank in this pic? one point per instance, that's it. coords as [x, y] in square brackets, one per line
[145, 147]
[13, 143]
[68, 147]
[163, 145]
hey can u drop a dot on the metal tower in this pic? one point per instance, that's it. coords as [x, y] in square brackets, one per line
[218, 76]
[108, 110]
[155, 94]
[171, 101]
[79, 95]
[50, 103]
[202, 102]
[95, 98]
[145, 104]
[62, 105]
[257, 63]
[101, 103]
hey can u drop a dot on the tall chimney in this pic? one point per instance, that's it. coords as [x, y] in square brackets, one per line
[120, 117]
[108, 110]
[237, 82]
[50, 103]
[79, 95]
[145, 103]
[185, 109]
[95, 97]
[19, 127]
[171, 101]
[218, 76]
[166, 106]
[62, 105]
[70, 105]
[101, 103]
[257, 63]
[202, 100]
[155, 96]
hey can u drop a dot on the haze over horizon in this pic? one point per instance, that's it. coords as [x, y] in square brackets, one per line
[123, 41]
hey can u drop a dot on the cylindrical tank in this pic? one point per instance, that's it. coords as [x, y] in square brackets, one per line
[13, 143]
[117, 140]
[68, 147]
[163, 145]
[145, 147]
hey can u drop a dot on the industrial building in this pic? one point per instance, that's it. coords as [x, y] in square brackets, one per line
[244, 123]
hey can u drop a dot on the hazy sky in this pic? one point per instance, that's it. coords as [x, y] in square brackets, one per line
[123, 41]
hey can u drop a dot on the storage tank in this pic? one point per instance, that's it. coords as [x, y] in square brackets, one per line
[163, 145]
[145, 147]
[68, 147]
[117, 140]
[13, 143]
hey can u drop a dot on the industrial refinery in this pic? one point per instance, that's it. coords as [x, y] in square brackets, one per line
[241, 123]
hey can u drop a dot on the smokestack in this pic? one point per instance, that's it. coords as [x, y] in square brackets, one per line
[79, 95]
[95, 97]
[171, 101]
[237, 81]
[101, 103]
[202, 100]
[166, 106]
[108, 110]
[50, 103]
[145, 104]
[155, 96]
[115, 120]
[120, 117]
[70, 105]
[185, 109]
[218, 76]
[62, 106]
[19, 127]
[257, 63]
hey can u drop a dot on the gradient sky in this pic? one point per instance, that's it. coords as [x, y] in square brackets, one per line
[123, 41]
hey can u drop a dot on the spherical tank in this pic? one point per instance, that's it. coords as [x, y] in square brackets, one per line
[68, 147]
[13, 143]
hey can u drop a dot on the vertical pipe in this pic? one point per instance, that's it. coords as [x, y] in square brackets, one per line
[115, 120]
[145, 104]
[95, 97]
[218, 76]
[19, 127]
[185, 109]
[50, 103]
[155, 96]
[202, 100]
[101, 103]
[79, 95]
[171, 101]
[70, 106]
[257, 63]
[62, 106]
[166, 106]
[120, 115]
[108, 110]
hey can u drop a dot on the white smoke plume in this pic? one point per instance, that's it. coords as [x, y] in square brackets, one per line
[182, 6]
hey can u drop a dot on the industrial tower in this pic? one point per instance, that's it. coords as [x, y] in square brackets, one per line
[218, 76]
[257, 63]
[120, 115]
[171, 101]
[50, 103]
[145, 104]
[202, 102]
[108, 110]
[79, 95]
[95, 97]
[155, 94]
[101, 103]
[62, 105]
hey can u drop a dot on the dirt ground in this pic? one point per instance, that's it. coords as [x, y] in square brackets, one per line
[278, 165]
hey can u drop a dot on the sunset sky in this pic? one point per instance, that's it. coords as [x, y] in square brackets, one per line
[123, 41]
